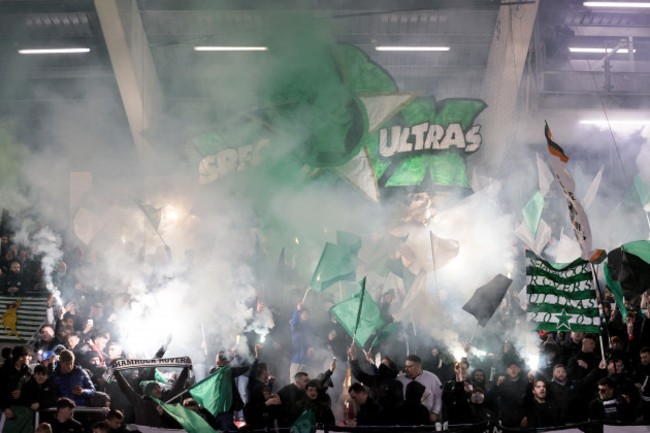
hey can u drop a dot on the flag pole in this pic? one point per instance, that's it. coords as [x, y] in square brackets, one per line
[603, 323]
[433, 262]
[305, 295]
[356, 326]
[471, 339]
[205, 344]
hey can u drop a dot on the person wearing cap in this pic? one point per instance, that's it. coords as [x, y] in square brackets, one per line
[509, 393]
[73, 381]
[145, 408]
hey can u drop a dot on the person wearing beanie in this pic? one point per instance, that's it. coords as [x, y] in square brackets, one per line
[145, 407]
[73, 381]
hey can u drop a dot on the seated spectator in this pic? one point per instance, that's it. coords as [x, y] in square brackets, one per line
[13, 282]
[40, 392]
[369, 412]
[411, 411]
[63, 420]
[73, 381]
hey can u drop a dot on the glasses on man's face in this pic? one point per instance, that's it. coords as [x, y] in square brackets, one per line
[408, 367]
[602, 390]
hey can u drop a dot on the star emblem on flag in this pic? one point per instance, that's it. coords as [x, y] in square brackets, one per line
[563, 320]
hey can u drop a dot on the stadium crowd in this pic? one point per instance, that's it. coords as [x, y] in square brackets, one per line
[68, 366]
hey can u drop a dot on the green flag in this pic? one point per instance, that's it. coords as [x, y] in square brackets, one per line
[367, 314]
[641, 192]
[348, 241]
[306, 423]
[533, 212]
[616, 289]
[191, 421]
[215, 391]
[336, 263]
[560, 297]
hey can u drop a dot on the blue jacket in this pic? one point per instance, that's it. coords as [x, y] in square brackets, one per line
[67, 382]
[302, 338]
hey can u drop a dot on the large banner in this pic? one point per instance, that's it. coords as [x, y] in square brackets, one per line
[362, 115]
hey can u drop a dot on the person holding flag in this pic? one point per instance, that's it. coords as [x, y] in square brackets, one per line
[303, 337]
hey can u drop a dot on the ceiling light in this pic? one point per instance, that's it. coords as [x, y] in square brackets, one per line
[598, 50]
[54, 51]
[397, 48]
[616, 4]
[229, 48]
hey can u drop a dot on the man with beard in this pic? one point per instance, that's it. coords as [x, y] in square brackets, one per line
[539, 412]
[384, 388]
[13, 283]
[432, 397]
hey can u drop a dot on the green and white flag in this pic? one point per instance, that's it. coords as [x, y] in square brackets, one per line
[560, 296]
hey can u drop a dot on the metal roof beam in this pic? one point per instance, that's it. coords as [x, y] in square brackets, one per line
[134, 68]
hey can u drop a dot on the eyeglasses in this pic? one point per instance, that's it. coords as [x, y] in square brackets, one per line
[407, 367]
[602, 390]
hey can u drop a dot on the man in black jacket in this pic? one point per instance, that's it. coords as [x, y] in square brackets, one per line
[369, 412]
[384, 388]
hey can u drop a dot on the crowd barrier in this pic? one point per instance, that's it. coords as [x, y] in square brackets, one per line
[487, 427]
[79, 412]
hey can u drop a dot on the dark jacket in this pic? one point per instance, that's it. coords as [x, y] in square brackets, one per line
[45, 395]
[456, 401]
[12, 379]
[144, 407]
[383, 387]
